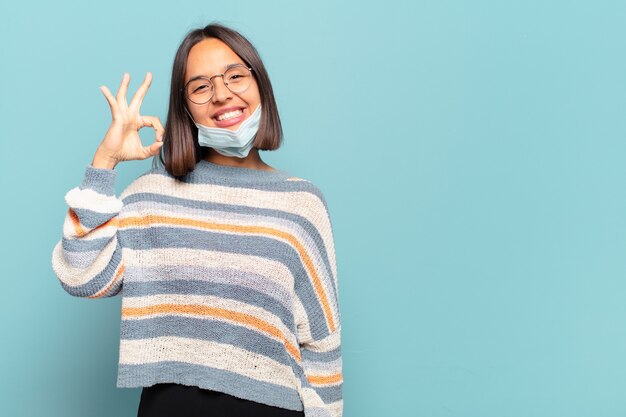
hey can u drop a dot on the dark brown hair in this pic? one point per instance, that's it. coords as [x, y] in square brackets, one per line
[181, 151]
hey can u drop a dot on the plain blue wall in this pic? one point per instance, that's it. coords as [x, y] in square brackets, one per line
[472, 155]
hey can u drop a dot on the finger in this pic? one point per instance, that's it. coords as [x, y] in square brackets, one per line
[110, 100]
[152, 150]
[121, 92]
[155, 123]
[135, 103]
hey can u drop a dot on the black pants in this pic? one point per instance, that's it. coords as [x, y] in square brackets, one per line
[174, 400]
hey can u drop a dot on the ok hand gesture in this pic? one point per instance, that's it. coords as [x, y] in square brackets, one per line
[122, 142]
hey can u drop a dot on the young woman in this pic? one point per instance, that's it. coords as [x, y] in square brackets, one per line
[226, 266]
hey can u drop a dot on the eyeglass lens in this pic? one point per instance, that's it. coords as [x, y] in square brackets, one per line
[201, 90]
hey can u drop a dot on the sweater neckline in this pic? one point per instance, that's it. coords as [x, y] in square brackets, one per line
[206, 170]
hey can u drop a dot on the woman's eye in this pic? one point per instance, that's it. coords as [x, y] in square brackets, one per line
[200, 88]
[236, 77]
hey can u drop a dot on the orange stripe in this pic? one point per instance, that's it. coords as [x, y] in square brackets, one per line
[119, 273]
[317, 283]
[81, 231]
[213, 311]
[76, 222]
[325, 379]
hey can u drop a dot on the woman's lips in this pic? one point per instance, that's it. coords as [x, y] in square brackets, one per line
[232, 121]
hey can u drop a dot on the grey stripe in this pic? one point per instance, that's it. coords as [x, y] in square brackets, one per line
[100, 180]
[80, 260]
[168, 237]
[281, 185]
[84, 245]
[131, 376]
[330, 355]
[209, 173]
[218, 275]
[100, 280]
[330, 394]
[221, 290]
[327, 366]
[92, 219]
[205, 329]
[309, 228]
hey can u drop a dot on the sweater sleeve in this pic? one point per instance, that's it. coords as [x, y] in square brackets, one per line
[88, 258]
[318, 324]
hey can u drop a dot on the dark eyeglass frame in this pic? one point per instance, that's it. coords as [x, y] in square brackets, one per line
[183, 89]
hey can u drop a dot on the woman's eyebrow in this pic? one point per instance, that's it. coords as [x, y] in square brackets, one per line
[226, 68]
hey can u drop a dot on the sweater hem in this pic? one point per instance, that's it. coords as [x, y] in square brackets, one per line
[146, 375]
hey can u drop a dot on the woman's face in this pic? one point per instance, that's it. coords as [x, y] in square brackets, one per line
[208, 58]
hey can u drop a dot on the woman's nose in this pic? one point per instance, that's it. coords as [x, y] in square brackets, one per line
[221, 92]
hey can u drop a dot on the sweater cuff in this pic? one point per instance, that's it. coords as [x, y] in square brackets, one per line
[101, 180]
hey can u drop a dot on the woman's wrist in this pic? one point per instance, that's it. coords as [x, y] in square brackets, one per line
[103, 161]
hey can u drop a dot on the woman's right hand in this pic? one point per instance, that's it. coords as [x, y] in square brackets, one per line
[122, 142]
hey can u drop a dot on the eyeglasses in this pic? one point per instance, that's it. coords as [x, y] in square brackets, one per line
[236, 78]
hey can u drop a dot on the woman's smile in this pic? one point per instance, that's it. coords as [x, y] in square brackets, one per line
[229, 116]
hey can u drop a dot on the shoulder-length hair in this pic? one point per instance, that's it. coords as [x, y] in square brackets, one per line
[180, 151]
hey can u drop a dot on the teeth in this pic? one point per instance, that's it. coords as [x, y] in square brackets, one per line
[229, 115]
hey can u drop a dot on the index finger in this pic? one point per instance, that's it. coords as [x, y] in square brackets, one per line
[121, 92]
[141, 92]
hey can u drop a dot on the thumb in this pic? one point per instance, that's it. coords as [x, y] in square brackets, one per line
[152, 150]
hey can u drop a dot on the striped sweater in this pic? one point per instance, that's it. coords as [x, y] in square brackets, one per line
[227, 276]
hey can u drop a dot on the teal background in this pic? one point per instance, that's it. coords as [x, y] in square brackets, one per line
[472, 155]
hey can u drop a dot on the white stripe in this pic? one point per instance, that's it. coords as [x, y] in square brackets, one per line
[310, 398]
[323, 368]
[206, 353]
[273, 270]
[336, 408]
[314, 405]
[92, 200]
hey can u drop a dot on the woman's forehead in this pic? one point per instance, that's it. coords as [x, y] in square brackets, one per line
[210, 56]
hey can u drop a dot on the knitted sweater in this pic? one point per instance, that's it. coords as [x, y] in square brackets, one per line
[227, 276]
